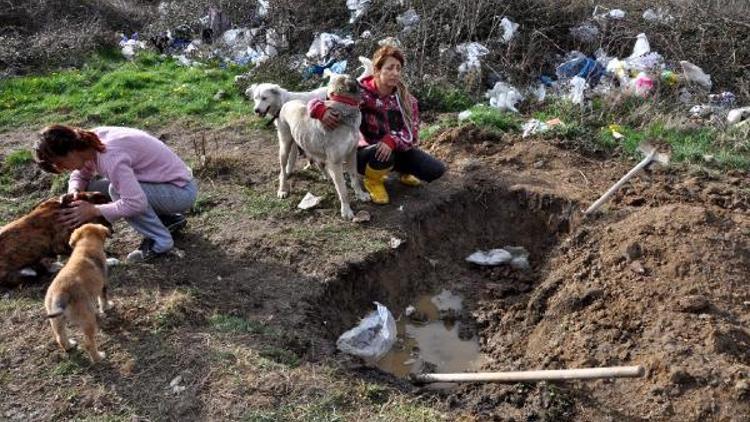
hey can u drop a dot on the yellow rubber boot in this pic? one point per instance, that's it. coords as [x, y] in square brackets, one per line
[374, 184]
[409, 180]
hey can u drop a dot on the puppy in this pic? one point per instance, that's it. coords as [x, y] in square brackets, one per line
[335, 148]
[37, 235]
[82, 280]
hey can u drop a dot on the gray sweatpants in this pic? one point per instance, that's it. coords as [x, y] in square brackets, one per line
[163, 198]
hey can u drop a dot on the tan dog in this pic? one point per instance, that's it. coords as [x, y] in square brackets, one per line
[79, 283]
[37, 235]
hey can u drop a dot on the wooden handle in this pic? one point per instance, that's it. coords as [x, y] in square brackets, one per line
[533, 376]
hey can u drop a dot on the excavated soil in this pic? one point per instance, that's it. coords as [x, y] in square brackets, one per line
[658, 277]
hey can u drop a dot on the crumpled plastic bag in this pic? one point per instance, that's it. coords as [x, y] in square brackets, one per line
[373, 337]
[641, 46]
[658, 15]
[695, 74]
[471, 51]
[130, 45]
[326, 42]
[509, 29]
[408, 19]
[504, 96]
[358, 8]
[577, 87]
[582, 66]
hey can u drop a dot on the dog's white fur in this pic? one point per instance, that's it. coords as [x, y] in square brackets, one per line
[334, 149]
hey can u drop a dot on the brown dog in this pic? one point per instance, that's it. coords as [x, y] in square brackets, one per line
[38, 235]
[79, 283]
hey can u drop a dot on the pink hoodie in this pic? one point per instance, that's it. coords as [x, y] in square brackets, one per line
[131, 156]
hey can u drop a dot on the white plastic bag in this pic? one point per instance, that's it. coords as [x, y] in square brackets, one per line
[504, 96]
[577, 87]
[373, 337]
[641, 46]
[324, 43]
[472, 52]
[358, 8]
[509, 29]
[695, 74]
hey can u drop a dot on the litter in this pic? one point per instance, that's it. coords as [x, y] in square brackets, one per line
[669, 78]
[582, 66]
[129, 46]
[577, 87]
[464, 115]
[471, 52]
[616, 131]
[695, 74]
[504, 96]
[325, 43]
[586, 33]
[643, 85]
[616, 14]
[701, 110]
[726, 99]
[658, 15]
[738, 115]
[262, 8]
[373, 337]
[395, 242]
[358, 8]
[516, 256]
[534, 376]
[408, 20]
[641, 46]
[533, 126]
[447, 303]
[509, 29]
[27, 272]
[113, 262]
[309, 201]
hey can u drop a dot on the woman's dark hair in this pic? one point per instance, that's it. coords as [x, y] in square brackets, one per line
[58, 140]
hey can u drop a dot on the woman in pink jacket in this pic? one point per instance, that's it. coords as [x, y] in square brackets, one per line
[149, 184]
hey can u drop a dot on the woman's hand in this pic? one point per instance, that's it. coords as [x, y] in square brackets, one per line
[330, 119]
[78, 213]
[382, 151]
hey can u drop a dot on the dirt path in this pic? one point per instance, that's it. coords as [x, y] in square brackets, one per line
[249, 315]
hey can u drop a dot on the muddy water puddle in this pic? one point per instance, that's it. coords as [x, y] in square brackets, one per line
[432, 339]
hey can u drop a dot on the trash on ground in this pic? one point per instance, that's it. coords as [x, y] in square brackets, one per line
[695, 74]
[372, 337]
[325, 43]
[726, 99]
[516, 256]
[701, 110]
[464, 115]
[27, 272]
[309, 201]
[395, 242]
[577, 87]
[113, 262]
[471, 52]
[447, 303]
[586, 33]
[737, 115]
[129, 46]
[504, 96]
[408, 20]
[616, 131]
[580, 65]
[659, 15]
[358, 8]
[509, 29]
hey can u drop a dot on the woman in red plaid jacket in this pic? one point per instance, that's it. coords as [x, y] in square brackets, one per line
[390, 128]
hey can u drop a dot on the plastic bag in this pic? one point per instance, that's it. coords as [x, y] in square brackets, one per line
[582, 66]
[509, 29]
[695, 74]
[577, 87]
[641, 46]
[373, 337]
[408, 19]
[358, 8]
[472, 52]
[504, 96]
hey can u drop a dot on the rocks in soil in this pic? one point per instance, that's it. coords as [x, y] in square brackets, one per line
[692, 304]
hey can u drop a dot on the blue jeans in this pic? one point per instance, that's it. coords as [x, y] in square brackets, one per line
[163, 198]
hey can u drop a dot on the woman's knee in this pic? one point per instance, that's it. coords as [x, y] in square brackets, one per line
[434, 170]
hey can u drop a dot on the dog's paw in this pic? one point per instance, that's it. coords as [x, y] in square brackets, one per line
[363, 196]
[282, 194]
[347, 213]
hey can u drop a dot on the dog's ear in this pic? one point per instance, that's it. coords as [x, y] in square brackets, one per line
[275, 90]
[251, 90]
[104, 230]
[75, 237]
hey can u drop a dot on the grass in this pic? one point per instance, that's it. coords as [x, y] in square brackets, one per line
[148, 91]
[493, 119]
[339, 238]
[233, 324]
[262, 204]
[18, 158]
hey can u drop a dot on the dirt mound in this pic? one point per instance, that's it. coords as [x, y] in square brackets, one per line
[663, 287]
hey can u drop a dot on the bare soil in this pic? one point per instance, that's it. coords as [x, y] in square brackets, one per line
[248, 317]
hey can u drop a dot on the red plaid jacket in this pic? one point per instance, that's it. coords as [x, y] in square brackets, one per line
[382, 119]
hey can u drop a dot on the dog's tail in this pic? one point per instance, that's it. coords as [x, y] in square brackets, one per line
[59, 304]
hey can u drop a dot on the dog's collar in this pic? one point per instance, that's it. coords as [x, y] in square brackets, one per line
[344, 99]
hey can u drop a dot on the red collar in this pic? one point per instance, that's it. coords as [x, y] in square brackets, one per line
[344, 99]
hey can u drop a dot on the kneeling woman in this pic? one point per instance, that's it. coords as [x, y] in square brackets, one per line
[149, 184]
[390, 128]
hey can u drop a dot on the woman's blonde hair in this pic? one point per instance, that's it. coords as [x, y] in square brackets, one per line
[404, 96]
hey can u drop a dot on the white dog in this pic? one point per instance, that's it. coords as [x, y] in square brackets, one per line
[333, 149]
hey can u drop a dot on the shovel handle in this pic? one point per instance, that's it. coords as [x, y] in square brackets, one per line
[595, 206]
[533, 376]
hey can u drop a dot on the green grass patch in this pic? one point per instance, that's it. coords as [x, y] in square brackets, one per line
[262, 204]
[18, 158]
[280, 356]
[493, 119]
[75, 362]
[442, 98]
[339, 238]
[110, 91]
[235, 324]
